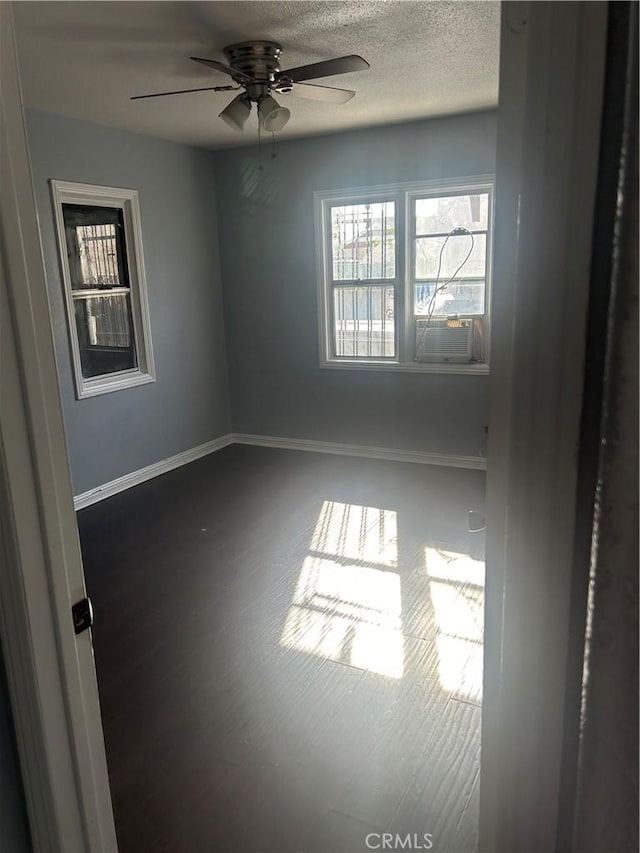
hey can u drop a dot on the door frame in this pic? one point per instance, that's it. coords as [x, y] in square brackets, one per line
[50, 672]
[552, 68]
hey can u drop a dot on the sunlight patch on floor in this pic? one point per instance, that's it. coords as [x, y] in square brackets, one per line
[456, 585]
[362, 533]
[347, 601]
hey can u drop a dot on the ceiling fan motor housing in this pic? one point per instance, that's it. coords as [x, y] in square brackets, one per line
[258, 59]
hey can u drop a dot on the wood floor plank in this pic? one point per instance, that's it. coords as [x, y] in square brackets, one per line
[439, 798]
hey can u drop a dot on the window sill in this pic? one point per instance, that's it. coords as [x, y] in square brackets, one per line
[409, 367]
[118, 383]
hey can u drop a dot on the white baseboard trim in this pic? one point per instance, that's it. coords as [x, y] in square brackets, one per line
[158, 468]
[136, 477]
[419, 456]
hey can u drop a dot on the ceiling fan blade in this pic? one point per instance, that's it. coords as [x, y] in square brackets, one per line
[319, 93]
[341, 65]
[184, 91]
[226, 69]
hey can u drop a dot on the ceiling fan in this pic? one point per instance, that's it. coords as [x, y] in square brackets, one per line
[255, 67]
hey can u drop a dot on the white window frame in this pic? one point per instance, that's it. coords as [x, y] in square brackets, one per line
[65, 192]
[404, 195]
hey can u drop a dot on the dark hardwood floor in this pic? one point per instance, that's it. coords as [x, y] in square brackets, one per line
[289, 653]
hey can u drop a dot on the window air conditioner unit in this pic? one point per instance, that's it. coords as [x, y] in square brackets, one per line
[442, 340]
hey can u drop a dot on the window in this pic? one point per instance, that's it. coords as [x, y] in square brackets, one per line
[100, 246]
[404, 276]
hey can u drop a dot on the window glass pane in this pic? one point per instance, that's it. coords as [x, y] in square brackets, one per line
[95, 244]
[440, 215]
[363, 241]
[105, 336]
[364, 322]
[454, 253]
[459, 297]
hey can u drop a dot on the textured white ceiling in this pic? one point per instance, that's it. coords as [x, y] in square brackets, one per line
[85, 59]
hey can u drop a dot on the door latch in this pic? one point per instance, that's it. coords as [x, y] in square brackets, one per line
[82, 613]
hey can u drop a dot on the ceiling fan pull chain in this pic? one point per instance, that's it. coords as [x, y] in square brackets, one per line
[260, 145]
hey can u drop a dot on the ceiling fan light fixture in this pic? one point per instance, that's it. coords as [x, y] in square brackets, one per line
[273, 117]
[237, 112]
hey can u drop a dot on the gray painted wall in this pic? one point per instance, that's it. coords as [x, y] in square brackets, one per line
[14, 832]
[120, 432]
[268, 264]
